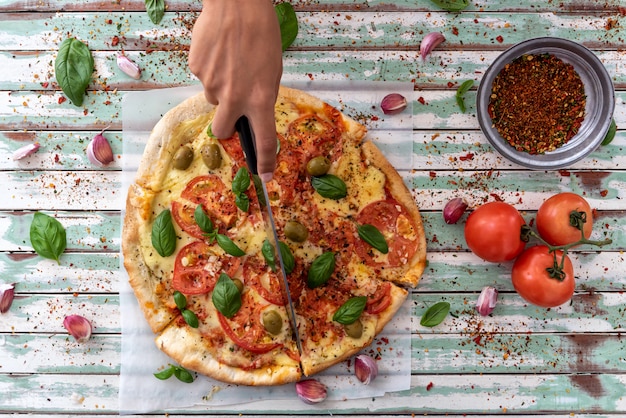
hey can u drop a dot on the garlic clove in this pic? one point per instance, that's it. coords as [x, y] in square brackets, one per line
[429, 43]
[25, 151]
[99, 150]
[7, 293]
[79, 327]
[365, 368]
[393, 103]
[311, 391]
[128, 66]
[453, 210]
[487, 300]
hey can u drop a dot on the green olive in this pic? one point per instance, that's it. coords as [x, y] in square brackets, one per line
[239, 284]
[295, 231]
[211, 155]
[272, 321]
[355, 329]
[318, 166]
[183, 158]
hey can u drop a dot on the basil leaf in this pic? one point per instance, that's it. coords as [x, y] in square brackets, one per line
[329, 186]
[226, 297]
[242, 201]
[268, 253]
[165, 373]
[288, 259]
[73, 68]
[321, 269]
[209, 131]
[156, 10]
[183, 375]
[452, 5]
[47, 236]
[351, 310]
[180, 300]
[241, 182]
[370, 234]
[190, 318]
[610, 133]
[288, 24]
[229, 246]
[460, 93]
[163, 234]
[203, 221]
[435, 314]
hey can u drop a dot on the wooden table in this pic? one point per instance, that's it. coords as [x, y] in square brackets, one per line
[520, 360]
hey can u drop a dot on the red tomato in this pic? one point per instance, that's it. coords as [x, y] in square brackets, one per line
[533, 282]
[197, 268]
[553, 219]
[493, 232]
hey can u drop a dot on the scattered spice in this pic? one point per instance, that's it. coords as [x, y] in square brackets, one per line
[537, 103]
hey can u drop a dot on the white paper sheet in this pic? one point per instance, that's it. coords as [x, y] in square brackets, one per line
[140, 391]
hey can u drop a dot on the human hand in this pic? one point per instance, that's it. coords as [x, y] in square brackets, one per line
[236, 53]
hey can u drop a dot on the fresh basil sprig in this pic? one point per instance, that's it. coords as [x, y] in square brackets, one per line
[460, 94]
[73, 68]
[241, 183]
[267, 249]
[226, 296]
[47, 236]
[351, 310]
[288, 23]
[321, 269]
[370, 234]
[610, 133]
[452, 5]
[329, 186]
[435, 314]
[156, 10]
[288, 259]
[189, 316]
[181, 374]
[206, 225]
[163, 234]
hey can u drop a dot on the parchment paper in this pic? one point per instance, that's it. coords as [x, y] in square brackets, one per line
[140, 391]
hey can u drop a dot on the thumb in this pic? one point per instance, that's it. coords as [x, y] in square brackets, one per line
[223, 125]
[264, 127]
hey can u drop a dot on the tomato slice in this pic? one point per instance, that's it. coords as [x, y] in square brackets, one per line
[232, 146]
[245, 327]
[197, 268]
[210, 191]
[393, 221]
[380, 300]
[264, 281]
[183, 216]
[313, 134]
[289, 176]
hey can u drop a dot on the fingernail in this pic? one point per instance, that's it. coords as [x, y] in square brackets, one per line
[266, 177]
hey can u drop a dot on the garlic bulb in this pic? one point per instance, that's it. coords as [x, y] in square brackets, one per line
[429, 43]
[453, 210]
[25, 151]
[128, 66]
[311, 391]
[393, 103]
[99, 150]
[7, 293]
[365, 368]
[487, 300]
[79, 327]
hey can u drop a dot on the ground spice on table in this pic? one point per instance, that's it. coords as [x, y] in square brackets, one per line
[537, 103]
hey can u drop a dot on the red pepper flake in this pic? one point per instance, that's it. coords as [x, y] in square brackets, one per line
[61, 99]
[565, 173]
[45, 84]
[450, 84]
[466, 157]
[115, 41]
[455, 30]
[604, 193]
[421, 100]
[622, 11]
[429, 386]
[432, 174]
[496, 197]
[499, 38]
[537, 103]
[477, 339]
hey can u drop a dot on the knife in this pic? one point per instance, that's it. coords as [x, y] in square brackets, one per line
[246, 137]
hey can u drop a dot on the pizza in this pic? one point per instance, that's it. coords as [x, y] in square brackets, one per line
[196, 250]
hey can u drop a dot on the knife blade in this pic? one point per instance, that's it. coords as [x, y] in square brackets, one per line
[246, 138]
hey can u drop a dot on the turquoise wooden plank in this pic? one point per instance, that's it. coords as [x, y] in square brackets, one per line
[34, 70]
[320, 30]
[430, 394]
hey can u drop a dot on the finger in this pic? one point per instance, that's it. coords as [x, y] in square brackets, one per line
[223, 125]
[264, 126]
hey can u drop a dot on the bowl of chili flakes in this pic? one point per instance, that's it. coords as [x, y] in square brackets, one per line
[546, 103]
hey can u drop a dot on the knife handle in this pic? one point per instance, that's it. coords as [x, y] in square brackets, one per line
[246, 138]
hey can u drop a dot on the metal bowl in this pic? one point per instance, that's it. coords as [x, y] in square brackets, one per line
[598, 110]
